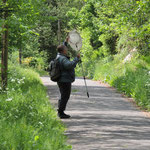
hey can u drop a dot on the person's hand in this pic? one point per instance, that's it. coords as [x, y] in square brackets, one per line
[78, 55]
[67, 39]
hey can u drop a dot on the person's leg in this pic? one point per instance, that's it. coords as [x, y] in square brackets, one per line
[65, 90]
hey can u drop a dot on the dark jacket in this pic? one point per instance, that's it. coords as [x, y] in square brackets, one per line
[67, 68]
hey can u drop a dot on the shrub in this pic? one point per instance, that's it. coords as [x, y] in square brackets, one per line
[132, 78]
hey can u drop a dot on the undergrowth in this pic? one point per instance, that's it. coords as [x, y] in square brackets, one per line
[27, 120]
[131, 78]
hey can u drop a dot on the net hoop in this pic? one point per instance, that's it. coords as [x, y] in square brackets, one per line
[75, 40]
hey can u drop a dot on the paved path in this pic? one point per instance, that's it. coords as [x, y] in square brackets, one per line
[105, 121]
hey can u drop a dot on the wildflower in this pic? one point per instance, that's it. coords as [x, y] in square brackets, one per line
[12, 80]
[9, 99]
[40, 123]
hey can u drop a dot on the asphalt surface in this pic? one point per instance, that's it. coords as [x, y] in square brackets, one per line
[105, 121]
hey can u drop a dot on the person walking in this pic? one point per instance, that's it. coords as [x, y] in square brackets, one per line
[66, 78]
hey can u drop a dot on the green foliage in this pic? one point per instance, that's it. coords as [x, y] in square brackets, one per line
[38, 62]
[88, 52]
[22, 22]
[27, 120]
[109, 41]
[131, 78]
[112, 26]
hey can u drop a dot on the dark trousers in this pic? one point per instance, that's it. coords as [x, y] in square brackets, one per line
[65, 91]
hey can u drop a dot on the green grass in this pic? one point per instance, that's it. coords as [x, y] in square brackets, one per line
[27, 120]
[131, 78]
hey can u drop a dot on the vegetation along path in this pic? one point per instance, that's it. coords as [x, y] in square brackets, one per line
[105, 121]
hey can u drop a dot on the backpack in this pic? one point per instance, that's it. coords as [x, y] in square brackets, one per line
[54, 70]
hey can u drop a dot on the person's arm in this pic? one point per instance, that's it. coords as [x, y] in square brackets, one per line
[67, 64]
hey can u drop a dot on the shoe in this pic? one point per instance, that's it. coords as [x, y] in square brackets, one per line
[62, 115]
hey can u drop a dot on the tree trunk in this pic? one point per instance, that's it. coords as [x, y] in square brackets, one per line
[20, 56]
[4, 60]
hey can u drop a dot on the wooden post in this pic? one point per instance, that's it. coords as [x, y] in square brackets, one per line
[4, 56]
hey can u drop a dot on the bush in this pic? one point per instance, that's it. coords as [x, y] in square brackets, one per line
[132, 78]
[27, 120]
[109, 41]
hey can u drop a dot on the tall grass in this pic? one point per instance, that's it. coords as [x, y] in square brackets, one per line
[27, 120]
[131, 78]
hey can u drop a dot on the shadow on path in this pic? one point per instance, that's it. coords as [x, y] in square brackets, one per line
[105, 121]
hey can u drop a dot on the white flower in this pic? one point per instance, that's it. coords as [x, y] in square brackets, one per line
[149, 72]
[9, 99]
[40, 123]
[12, 80]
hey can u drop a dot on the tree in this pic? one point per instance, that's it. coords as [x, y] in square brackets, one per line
[4, 55]
[16, 18]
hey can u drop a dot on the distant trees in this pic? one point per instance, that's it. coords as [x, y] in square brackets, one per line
[107, 26]
[30, 27]
[17, 29]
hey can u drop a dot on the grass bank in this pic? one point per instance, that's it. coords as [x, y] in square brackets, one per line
[27, 120]
[131, 77]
